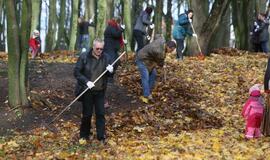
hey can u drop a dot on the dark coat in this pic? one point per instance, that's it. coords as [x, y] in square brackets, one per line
[260, 31]
[88, 68]
[83, 27]
[112, 38]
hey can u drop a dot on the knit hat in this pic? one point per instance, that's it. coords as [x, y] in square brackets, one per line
[255, 87]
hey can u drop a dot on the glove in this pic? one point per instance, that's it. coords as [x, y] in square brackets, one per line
[90, 84]
[125, 41]
[123, 26]
[90, 20]
[194, 35]
[152, 26]
[109, 68]
[190, 20]
[83, 50]
[148, 37]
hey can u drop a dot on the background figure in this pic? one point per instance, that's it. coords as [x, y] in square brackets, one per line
[84, 38]
[180, 30]
[113, 41]
[259, 34]
[139, 30]
[89, 67]
[147, 59]
[34, 44]
[253, 113]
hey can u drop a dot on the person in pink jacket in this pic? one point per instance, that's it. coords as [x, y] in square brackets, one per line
[253, 112]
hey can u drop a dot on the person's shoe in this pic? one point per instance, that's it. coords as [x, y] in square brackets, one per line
[144, 99]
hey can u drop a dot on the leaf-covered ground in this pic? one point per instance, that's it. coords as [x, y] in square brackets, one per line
[196, 115]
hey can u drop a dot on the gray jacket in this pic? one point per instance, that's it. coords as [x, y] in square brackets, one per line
[142, 22]
[153, 54]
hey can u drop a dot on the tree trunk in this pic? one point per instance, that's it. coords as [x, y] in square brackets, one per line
[90, 13]
[36, 14]
[17, 53]
[168, 20]
[110, 9]
[200, 16]
[210, 25]
[158, 17]
[25, 32]
[260, 6]
[101, 18]
[61, 39]
[50, 38]
[73, 34]
[126, 16]
[242, 22]
[222, 31]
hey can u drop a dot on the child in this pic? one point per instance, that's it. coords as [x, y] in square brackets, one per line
[34, 43]
[253, 112]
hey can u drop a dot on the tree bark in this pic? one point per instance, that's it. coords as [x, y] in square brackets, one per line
[242, 22]
[168, 20]
[101, 18]
[126, 16]
[61, 39]
[210, 25]
[17, 53]
[158, 17]
[200, 16]
[222, 31]
[2, 26]
[36, 14]
[50, 38]
[73, 34]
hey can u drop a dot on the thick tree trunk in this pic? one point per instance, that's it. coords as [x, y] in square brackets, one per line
[158, 17]
[61, 39]
[101, 18]
[14, 98]
[50, 38]
[168, 20]
[242, 22]
[90, 13]
[260, 6]
[73, 34]
[126, 16]
[25, 32]
[200, 16]
[222, 31]
[36, 14]
[211, 24]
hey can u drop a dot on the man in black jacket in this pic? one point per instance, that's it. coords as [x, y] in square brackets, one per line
[90, 65]
[84, 38]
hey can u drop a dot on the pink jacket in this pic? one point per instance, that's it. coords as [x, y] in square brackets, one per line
[253, 107]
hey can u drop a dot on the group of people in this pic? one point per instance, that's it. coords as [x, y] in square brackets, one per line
[92, 62]
[99, 58]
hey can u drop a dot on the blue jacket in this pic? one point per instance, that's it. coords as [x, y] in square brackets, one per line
[182, 27]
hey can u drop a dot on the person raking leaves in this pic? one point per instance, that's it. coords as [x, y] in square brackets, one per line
[147, 59]
[90, 65]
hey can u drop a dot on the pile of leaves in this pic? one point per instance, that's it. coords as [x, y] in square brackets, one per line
[195, 115]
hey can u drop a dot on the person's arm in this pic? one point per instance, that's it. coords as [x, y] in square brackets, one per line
[79, 67]
[145, 19]
[246, 108]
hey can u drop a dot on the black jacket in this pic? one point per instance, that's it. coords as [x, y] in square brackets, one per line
[88, 68]
[112, 37]
[83, 27]
[260, 31]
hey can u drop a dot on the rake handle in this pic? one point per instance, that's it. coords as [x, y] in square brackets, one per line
[197, 41]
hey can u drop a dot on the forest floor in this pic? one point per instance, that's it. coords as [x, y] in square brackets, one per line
[196, 113]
